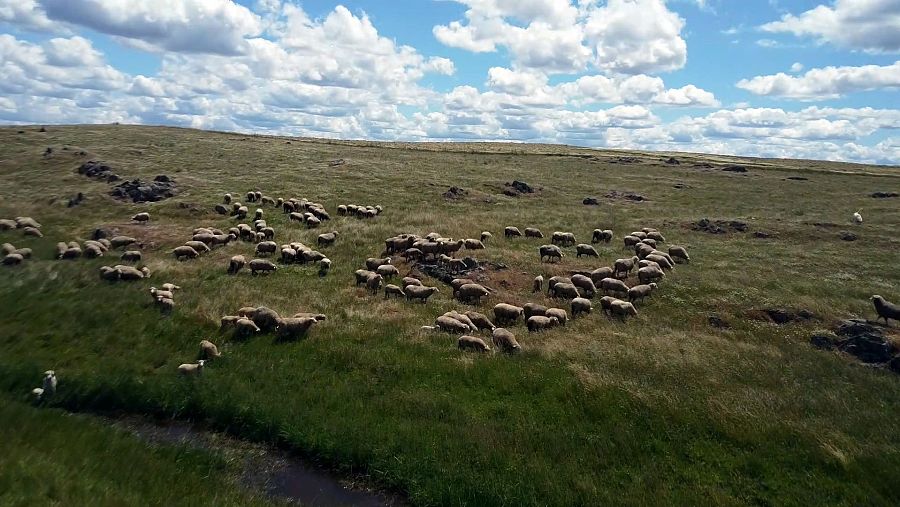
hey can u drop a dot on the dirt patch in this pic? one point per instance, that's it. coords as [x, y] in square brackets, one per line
[719, 226]
[162, 187]
[782, 316]
[718, 322]
[863, 340]
[884, 195]
[626, 195]
[99, 171]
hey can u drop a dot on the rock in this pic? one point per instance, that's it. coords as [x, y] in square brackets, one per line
[517, 188]
[681, 186]
[590, 201]
[137, 190]
[455, 193]
[630, 196]
[848, 236]
[673, 161]
[98, 170]
[797, 178]
[856, 327]
[864, 341]
[735, 168]
[779, 315]
[823, 341]
[719, 322]
[884, 195]
[719, 226]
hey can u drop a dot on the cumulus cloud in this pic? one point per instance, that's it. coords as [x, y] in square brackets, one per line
[869, 25]
[825, 83]
[26, 14]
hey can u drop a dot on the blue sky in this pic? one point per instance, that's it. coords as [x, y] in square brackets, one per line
[775, 78]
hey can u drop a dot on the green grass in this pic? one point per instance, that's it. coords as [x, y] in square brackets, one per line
[51, 457]
[662, 409]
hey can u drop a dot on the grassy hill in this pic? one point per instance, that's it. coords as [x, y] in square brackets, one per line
[660, 409]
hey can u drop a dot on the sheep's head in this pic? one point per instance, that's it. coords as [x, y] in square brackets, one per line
[49, 373]
[876, 297]
[200, 363]
[653, 286]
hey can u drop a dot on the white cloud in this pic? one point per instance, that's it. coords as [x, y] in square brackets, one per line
[825, 83]
[796, 67]
[870, 25]
[27, 14]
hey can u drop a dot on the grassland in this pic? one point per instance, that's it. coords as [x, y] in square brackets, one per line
[662, 409]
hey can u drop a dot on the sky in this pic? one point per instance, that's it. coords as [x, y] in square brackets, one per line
[770, 78]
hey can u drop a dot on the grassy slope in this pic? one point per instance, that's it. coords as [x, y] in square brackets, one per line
[662, 408]
[53, 458]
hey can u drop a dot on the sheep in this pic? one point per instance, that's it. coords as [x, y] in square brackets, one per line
[485, 235]
[565, 290]
[473, 244]
[265, 318]
[373, 282]
[462, 318]
[642, 250]
[639, 234]
[623, 309]
[324, 266]
[326, 239]
[244, 327]
[550, 252]
[166, 304]
[288, 255]
[311, 256]
[600, 273]
[92, 251]
[885, 309]
[222, 239]
[450, 325]
[538, 284]
[361, 276]
[191, 368]
[48, 386]
[663, 262]
[456, 283]
[601, 235]
[412, 254]
[510, 232]
[198, 246]
[451, 247]
[372, 263]
[562, 238]
[258, 214]
[648, 241]
[645, 263]
[72, 252]
[129, 273]
[7, 225]
[624, 266]
[321, 317]
[408, 280]
[655, 236]
[471, 291]
[640, 291]
[7, 248]
[585, 284]
[387, 271]
[531, 232]
[539, 323]
[473, 343]
[588, 250]
[630, 241]
[679, 253]
[419, 292]
[121, 241]
[506, 313]
[312, 222]
[555, 280]
[60, 249]
[295, 217]
[529, 309]
[23, 222]
[480, 320]
[606, 303]
[27, 252]
[109, 274]
[613, 285]
[227, 199]
[504, 340]
[266, 248]
[457, 265]
[261, 265]
[141, 217]
[559, 314]
[236, 264]
[157, 293]
[171, 287]
[432, 236]
[857, 217]
[241, 212]
[393, 290]
[131, 256]
[650, 274]
[31, 231]
[293, 328]
[183, 252]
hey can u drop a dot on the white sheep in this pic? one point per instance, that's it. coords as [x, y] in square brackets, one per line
[191, 368]
[857, 217]
[48, 386]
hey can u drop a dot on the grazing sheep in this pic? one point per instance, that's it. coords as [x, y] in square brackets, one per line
[600, 273]
[166, 304]
[7, 225]
[471, 291]
[245, 327]
[48, 386]
[601, 235]
[630, 241]
[564, 290]
[236, 264]
[480, 320]
[550, 252]
[8, 248]
[538, 284]
[392, 290]
[462, 318]
[473, 244]
[326, 239]
[387, 271]
[191, 368]
[373, 282]
[221, 209]
[60, 249]
[645, 263]
[562, 238]
[606, 303]
[640, 291]
[559, 314]
[530, 309]
[72, 252]
[361, 276]
[372, 263]
[198, 246]
[510, 232]
[13, 259]
[531, 232]
[293, 328]
[324, 266]
[258, 214]
[27, 252]
[141, 217]
[288, 255]
[642, 250]
[295, 216]
[171, 287]
[241, 212]
[321, 317]
[311, 256]
[129, 273]
[588, 250]
[92, 251]
[261, 265]
[450, 325]
[183, 252]
[885, 309]
[266, 248]
[419, 292]
[655, 236]
[312, 222]
[555, 280]
[121, 241]
[31, 231]
[408, 280]
[109, 274]
[650, 274]
[456, 283]
[157, 293]
[539, 323]
[457, 265]
[648, 241]
[132, 256]
[227, 199]
[505, 340]
[623, 309]
[639, 234]
[23, 222]
[486, 236]
[585, 284]
[613, 285]
[679, 253]
[624, 266]
[506, 313]
[265, 318]
[412, 254]
[473, 343]
[663, 262]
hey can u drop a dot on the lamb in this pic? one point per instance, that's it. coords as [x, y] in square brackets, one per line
[485, 235]
[473, 244]
[539, 323]
[198, 246]
[623, 309]
[472, 343]
[293, 328]
[131, 256]
[326, 239]
[245, 327]
[640, 291]
[650, 274]
[559, 314]
[471, 291]
[624, 266]
[23, 222]
[121, 241]
[885, 309]
[387, 271]
[31, 231]
[585, 284]
[531, 232]
[373, 282]
[530, 309]
[419, 292]
[505, 340]
[392, 290]
[361, 276]
[613, 285]
[510, 232]
[600, 235]
[600, 273]
[266, 248]
[372, 263]
[408, 280]
[538, 284]
[550, 252]
[191, 368]
[141, 217]
[48, 386]
[450, 325]
[679, 253]
[261, 265]
[506, 313]
[480, 320]
[183, 252]
[588, 250]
